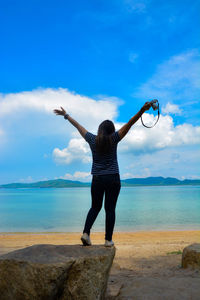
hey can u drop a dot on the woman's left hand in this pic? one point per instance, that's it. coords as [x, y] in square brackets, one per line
[61, 112]
[146, 106]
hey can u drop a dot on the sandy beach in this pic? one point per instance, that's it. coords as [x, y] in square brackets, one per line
[147, 265]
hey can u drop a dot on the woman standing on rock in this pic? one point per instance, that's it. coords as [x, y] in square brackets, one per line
[105, 170]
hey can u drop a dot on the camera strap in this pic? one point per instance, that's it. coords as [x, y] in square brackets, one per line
[155, 122]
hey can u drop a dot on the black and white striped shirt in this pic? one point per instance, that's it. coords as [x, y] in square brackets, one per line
[103, 163]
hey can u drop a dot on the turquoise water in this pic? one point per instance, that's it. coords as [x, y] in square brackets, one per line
[65, 210]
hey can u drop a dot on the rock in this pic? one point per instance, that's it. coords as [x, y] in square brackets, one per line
[55, 272]
[191, 256]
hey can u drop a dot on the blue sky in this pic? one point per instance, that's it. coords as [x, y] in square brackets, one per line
[98, 59]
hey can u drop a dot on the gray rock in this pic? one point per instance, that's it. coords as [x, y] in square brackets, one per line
[55, 272]
[191, 256]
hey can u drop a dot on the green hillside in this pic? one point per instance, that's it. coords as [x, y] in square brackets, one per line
[61, 183]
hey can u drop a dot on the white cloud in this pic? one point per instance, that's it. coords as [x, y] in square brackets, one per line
[164, 135]
[83, 176]
[170, 108]
[2, 138]
[88, 111]
[2, 135]
[193, 177]
[127, 175]
[175, 79]
[170, 162]
[144, 172]
[77, 150]
[29, 179]
[45, 100]
[30, 114]
[138, 141]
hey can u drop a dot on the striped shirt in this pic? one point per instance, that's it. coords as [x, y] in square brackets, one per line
[103, 163]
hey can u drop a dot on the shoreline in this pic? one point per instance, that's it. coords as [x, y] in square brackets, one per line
[98, 232]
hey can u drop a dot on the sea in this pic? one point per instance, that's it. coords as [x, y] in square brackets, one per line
[141, 208]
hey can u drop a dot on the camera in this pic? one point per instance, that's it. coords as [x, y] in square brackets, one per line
[154, 104]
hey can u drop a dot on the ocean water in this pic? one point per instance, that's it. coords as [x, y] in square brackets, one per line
[65, 210]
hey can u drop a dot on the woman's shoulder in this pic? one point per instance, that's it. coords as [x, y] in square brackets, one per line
[90, 137]
[115, 136]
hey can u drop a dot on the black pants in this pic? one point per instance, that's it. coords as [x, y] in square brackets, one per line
[110, 186]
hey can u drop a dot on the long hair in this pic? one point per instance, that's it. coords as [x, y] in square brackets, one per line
[103, 139]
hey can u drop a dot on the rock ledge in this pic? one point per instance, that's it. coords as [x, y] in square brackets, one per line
[55, 272]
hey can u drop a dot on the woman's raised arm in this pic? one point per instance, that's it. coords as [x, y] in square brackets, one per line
[80, 128]
[125, 129]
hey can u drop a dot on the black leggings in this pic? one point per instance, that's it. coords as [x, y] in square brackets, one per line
[110, 185]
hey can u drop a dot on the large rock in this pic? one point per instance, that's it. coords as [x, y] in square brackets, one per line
[55, 272]
[191, 256]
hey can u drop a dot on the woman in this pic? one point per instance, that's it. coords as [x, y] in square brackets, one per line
[105, 171]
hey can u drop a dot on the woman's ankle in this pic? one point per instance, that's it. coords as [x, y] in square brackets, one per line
[86, 233]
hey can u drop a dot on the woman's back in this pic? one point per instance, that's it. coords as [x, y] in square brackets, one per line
[104, 163]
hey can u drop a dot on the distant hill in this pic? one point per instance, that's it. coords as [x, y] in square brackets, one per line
[58, 183]
[61, 183]
[158, 181]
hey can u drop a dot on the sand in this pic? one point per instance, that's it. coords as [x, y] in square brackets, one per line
[147, 265]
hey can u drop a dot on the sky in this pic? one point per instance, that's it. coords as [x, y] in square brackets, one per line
[99, 60]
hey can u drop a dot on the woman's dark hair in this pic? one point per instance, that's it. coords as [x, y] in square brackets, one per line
[103, 139]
